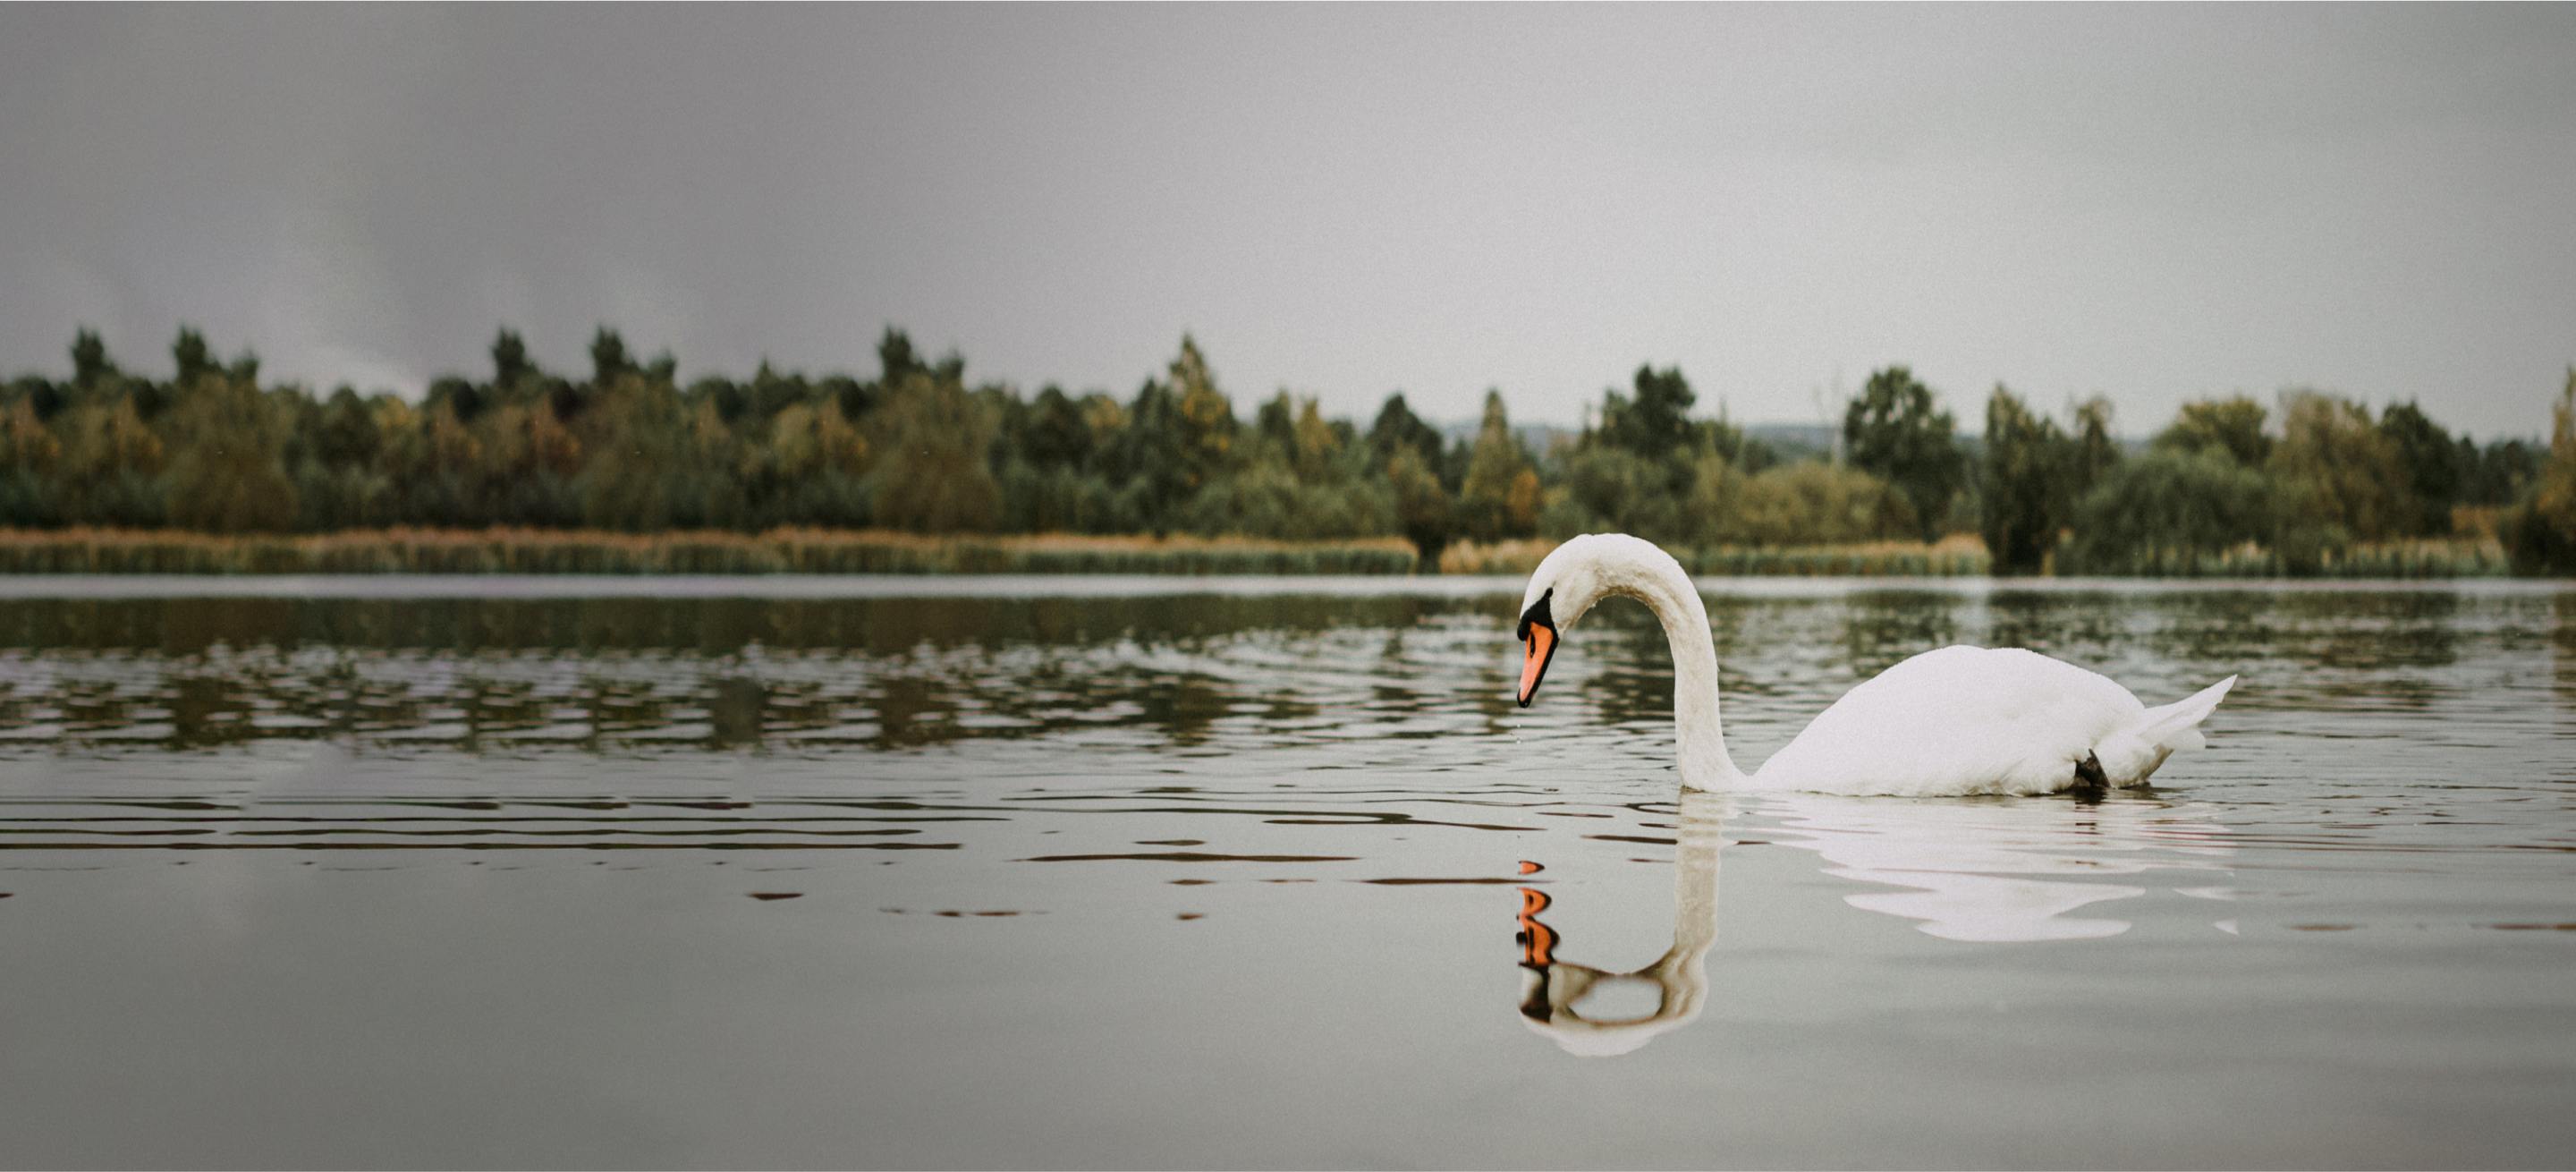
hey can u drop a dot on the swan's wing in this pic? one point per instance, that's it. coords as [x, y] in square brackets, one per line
[1960, 720]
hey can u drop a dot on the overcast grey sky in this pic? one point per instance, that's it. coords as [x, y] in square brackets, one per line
[2151, 203]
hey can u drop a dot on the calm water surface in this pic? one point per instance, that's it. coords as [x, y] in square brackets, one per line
[1136, 873]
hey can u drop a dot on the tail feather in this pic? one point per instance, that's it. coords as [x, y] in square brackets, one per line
[2138, 747]
[2177, 725]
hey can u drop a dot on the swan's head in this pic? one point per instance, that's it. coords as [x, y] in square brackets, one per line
[1573, 577]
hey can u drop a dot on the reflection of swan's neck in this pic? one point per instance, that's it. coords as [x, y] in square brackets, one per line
[1695, 891]
[1660, 584]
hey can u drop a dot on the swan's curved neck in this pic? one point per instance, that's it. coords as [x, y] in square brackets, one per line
[1660, 583]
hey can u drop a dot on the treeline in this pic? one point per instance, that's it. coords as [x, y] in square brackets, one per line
[918, 447]
[2228, 485]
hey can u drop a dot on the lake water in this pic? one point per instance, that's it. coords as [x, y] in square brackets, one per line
[1254, 873]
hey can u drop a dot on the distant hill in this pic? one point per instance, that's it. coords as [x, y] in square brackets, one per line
[1794, 441]
[1537, 437]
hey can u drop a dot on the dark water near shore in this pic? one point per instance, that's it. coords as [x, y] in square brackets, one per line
[1255, 874]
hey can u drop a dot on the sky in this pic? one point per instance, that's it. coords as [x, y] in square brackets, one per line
[2152, 203]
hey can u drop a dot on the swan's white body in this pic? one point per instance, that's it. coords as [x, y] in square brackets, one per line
[1956, 721]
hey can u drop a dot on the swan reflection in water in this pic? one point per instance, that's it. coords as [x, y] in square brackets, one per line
[1553, 990]
[1987, 871]
[2004, 870]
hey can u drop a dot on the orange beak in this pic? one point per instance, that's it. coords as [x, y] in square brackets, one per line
[1540, 649]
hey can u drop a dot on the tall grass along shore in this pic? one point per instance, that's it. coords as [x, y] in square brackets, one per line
[577, 551]
[1958, 555]
[1961, 555]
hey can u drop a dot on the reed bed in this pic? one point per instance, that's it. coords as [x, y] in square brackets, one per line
[783, 551]
[1963, 555]
[2456, 557]
[1955, 556]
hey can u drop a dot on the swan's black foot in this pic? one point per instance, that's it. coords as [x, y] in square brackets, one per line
[2089, 775]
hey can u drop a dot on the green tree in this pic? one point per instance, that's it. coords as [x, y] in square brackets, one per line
[91, 367]
[29, 452]
[2336, 479]
[1275, 421]
[1150, 459]
[895, 358]
[1396, 426]
[1206, 416]
[335, 457]
[608, 357]
[931, 473]
[1055, 434]
[510, 362]
[2501, 472]
[1422, 505]
[111, 464]
[2434, 464]
[1601, 489]
[814, 463]
[1894, 432]
[635, 437]
[228, 474]
[1657, 420]
[2166, 512]
[2539, 531]
[458, 396]
[771, 392]
[1716, 502]
[1314, 448]
[2232, 426]
[2096, 453]
[2028, 484]
[191, 356]
[1495, 468]
[1812, 503]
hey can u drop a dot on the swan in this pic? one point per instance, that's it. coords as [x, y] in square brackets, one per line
[1952, 722]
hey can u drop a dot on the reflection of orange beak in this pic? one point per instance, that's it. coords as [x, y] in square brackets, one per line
[1538, 941]
[1541, 648]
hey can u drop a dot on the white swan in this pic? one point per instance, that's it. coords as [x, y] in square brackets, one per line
[1960, 720]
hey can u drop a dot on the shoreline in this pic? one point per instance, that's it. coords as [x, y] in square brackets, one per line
[107, 588]
[31, 556]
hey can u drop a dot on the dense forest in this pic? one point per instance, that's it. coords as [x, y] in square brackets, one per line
[921, 448]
